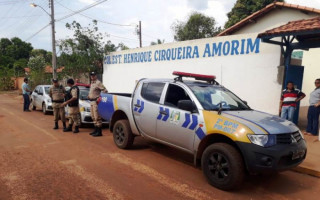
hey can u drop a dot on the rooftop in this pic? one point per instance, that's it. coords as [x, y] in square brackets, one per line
[253, 17]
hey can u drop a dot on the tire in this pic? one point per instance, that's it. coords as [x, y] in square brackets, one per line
[32, 107]
[223, 166]
[44, 109]
[122, 134]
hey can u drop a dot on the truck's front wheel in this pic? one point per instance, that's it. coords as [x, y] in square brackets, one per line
[223, 166]
[122, 134]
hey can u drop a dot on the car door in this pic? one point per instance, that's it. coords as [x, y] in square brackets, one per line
[174, 125]
[146, 106]
[35, 96]
[40, 96]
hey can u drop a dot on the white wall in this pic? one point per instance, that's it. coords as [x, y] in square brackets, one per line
[253, 76]
[274, 19]
[310, 61]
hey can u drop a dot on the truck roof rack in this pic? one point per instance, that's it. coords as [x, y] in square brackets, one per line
[208, 78]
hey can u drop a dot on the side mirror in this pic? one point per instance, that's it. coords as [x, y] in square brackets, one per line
[245, 102]
[187, 105]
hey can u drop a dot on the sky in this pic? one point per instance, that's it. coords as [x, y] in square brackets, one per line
[117, 18]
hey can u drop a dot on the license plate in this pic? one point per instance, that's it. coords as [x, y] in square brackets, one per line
[298, 154]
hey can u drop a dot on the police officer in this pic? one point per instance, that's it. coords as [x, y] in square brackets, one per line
[73, 103]
[57, 93]
[96, 87]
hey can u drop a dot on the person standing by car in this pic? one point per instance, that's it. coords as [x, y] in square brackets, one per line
[314, 110]
[289, 99]
[57, 93]
[96, 87]
[26, 95]
[73, 107]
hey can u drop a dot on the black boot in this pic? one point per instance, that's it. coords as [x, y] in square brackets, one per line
[55, 125]
[95, 131]
[76, 129]
[99, 132]
[68, 129]
[64, 126]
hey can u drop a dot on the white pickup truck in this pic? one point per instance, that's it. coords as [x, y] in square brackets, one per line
[208, 121]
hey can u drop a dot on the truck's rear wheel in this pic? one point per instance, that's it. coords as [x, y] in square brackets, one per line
[223, 166]
[122, 134]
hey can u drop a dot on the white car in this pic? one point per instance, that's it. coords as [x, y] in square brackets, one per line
[40, 99]
[84, 105]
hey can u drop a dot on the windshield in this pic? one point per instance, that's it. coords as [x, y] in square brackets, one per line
[84, 94]
[212, 98]
[46, 90]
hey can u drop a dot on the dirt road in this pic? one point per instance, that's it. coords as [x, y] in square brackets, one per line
[37, 162]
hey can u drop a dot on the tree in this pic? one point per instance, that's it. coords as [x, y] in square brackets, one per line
[197, 26]
[84, 52]
[47, 55]
[122, 46]
[244, 8]
[157, 42]
[13, 50]
[37, 70]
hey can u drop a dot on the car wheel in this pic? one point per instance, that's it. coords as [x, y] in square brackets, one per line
[223, 166]
[122, 134]
[32, 107]
[44, 109]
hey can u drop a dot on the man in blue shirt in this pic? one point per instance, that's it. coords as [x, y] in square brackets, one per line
[314, 110]
[26, 95]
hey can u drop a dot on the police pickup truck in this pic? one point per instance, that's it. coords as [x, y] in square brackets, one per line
[205, 119]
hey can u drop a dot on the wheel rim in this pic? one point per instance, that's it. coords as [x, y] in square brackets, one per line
[43, 108]
[219, 166]
[119, 135]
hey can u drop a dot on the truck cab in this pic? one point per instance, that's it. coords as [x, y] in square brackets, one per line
[225, 136]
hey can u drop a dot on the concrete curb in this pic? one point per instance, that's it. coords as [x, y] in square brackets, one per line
[305, 170]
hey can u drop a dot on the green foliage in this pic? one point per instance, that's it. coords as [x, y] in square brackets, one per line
[197, 26]
[18, 67]
[122, 46]
[6, 82]
[157, 42]
[14, 54]
[84, 52]
[47, 55]
[109, 47]
[244, 8]
[37, 75]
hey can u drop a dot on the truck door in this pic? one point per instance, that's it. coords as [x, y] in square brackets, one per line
[146, 107]
[174, 125]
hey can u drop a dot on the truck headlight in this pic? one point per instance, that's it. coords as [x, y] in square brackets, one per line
[301, 134]
[49, 100]
[263, 140]
[87, 109]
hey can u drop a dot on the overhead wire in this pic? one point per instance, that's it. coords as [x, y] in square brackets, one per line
[93, 18]
[81, 10]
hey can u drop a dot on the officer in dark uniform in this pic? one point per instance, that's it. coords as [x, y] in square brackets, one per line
[73, 106]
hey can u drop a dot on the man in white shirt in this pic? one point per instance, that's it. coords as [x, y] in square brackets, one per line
[26, 95]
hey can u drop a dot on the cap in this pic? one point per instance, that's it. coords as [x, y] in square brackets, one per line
[70, 81]
[93, 73]
[54, 80]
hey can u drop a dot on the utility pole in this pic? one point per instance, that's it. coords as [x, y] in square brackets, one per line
[140, 37]
[54, 57]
